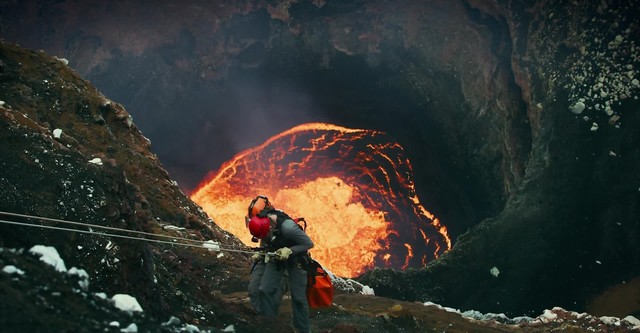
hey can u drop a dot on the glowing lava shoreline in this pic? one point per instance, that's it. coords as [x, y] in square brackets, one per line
[353, 186]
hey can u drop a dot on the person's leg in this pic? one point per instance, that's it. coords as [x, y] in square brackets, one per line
[254, 286]
[271, 289]
[298, 285]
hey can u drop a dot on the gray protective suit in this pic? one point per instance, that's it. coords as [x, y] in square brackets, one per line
[267, 279]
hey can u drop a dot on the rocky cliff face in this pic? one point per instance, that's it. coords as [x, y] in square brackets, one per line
[569, 230]
[521, 121]
[97, 170]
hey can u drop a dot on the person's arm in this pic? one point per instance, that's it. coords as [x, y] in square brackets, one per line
[291, 231]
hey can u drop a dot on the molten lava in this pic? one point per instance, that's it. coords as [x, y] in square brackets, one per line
[354, 188]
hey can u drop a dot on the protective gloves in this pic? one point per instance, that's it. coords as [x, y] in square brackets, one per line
[257, 256]
[283, 253]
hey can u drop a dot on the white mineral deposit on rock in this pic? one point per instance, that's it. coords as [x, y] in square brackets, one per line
[608, 111]
[96, 160]
[603, 73]
[62, 60]
[577, 108]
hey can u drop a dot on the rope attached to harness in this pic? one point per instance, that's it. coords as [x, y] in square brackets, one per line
[180, 241]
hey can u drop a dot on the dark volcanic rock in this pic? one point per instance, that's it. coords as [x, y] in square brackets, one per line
[570, 229]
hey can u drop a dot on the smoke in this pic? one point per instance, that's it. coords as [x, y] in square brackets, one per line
[243, 113]
[266, 107]
[195, 126]
[200, 96]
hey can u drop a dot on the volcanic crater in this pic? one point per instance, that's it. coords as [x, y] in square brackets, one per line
[482, 96]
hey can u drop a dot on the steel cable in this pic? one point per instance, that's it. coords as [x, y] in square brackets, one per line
[215, 247]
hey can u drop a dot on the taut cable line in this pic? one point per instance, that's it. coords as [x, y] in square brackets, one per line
[96, 226]
[191, 242]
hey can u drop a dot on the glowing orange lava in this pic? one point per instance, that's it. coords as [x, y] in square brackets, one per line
[353, 186]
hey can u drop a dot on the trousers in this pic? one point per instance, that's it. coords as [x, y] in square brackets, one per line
[267, 286]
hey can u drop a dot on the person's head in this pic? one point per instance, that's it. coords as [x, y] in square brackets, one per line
[259, 226]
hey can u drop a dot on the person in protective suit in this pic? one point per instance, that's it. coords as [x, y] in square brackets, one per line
[280, 235]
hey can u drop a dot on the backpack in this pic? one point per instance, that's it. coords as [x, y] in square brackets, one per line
[278, 242]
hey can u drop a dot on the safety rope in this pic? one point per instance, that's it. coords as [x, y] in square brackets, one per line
[215, 246]
[95, 226]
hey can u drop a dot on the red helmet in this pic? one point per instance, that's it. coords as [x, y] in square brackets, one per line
[257, 205]
[259, 226]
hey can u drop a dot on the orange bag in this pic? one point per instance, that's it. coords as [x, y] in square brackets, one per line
[319, 286]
